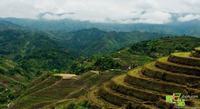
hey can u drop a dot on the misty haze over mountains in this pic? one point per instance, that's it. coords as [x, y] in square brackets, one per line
[170, 17]
[174, 27]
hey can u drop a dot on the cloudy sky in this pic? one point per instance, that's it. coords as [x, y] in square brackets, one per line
[110, 11]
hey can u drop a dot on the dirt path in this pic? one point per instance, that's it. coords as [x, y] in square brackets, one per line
[67, 76]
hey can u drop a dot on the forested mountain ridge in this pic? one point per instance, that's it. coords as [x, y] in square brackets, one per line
[87, 42]
[29, 45]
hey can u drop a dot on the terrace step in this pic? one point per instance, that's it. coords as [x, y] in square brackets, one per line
[97, 102]
[150, 70]
[184, 58]
[197, 49]
[163, 63]
[196, 52]
[119, 85]
[62, 85]
[148, 96]
[135, 77]
[43, 84]
[122, 100]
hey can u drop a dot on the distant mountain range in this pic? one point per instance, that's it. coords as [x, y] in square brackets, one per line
[87, 42]
[175, 27]
[84, 42]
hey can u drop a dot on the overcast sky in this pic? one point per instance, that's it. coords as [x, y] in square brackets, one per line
[115, 11]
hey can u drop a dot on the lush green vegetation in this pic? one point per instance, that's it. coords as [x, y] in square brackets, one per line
[88, 42]
[27, 54]
[137, 54]
[24, 55]
[165, 46]
[52, 91]
[33, 50]
[12, 80]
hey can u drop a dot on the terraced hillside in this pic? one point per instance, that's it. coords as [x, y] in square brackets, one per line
[146, 87]
[51, 89]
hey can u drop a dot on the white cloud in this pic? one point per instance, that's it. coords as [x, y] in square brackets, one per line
[189, 17]
[118, 11]
[155, 17]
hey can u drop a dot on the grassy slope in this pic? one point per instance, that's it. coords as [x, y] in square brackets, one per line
[50, 91]
[11, 80]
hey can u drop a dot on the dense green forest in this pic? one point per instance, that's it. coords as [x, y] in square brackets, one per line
[88, 42]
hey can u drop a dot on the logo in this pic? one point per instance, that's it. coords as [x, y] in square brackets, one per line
[175, 99]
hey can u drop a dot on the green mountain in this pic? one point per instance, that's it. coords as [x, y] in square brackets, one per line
[86, 42]
[32, 48]
[50, 91]
[94, 41]
[137, 54]
[25, 55]
[30, 53]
